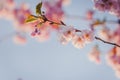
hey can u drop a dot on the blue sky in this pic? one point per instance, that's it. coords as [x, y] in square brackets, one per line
[51, 60]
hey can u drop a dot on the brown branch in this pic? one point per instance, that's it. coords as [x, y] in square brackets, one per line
[77, 30]
[51, 22]
[97, 38]
[61, 22]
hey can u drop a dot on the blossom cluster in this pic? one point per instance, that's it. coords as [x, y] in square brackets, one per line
[17, 15]
[112, 6]
[94, 55]
[113, 59]
[78, 38]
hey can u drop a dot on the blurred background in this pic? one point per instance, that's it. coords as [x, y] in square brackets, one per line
[50, 60]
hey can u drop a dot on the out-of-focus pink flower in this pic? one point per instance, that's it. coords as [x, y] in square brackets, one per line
[43, 36]
[8, 4]
[63, 39]
[94, 55]
[54, 11]
[6, 8]
[67, 32]
[116, 35]
[18, 39]
[117, 73]
[112, 6]
[115, 8]
[113, 59]
[78, 41]
[66, 2]
[89, 14]
[20, 14]
[88, 36]
[41, 32]
[105, 33]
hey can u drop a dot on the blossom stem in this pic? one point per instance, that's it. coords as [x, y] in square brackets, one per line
[77, 30]
[97, 38]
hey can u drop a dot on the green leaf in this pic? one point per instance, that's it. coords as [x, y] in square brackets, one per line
[38, 9]
[30, 18]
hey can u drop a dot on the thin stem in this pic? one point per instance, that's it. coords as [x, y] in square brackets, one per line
[97, 38]
[52, 22]
[77, 30]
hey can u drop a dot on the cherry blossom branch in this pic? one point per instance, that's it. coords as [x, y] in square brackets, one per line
[43, 18]
[97, 38]
[77, 30]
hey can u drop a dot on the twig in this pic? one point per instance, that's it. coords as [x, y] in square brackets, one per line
[97, 38]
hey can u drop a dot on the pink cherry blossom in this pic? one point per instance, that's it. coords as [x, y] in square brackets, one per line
[41, 32]
[54, 11]
[88, 36]
[67, 32]
[112, 6]
[66, 2]
[78, 41]
[117, 73]
[94, 55]
[116, 35]
[105, 33]
[6, 6]
[113, 59]
[21, 14]
[18, 39]
[63, 40]
[89, 14]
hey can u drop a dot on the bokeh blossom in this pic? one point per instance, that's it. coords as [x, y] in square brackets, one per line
[112, 6]
[94, 55]
[66, 34]
[105, 33]
[19, 39]
[113, 59]
[89, 14]
[54, 11]
[88, 35]
[78, 41]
